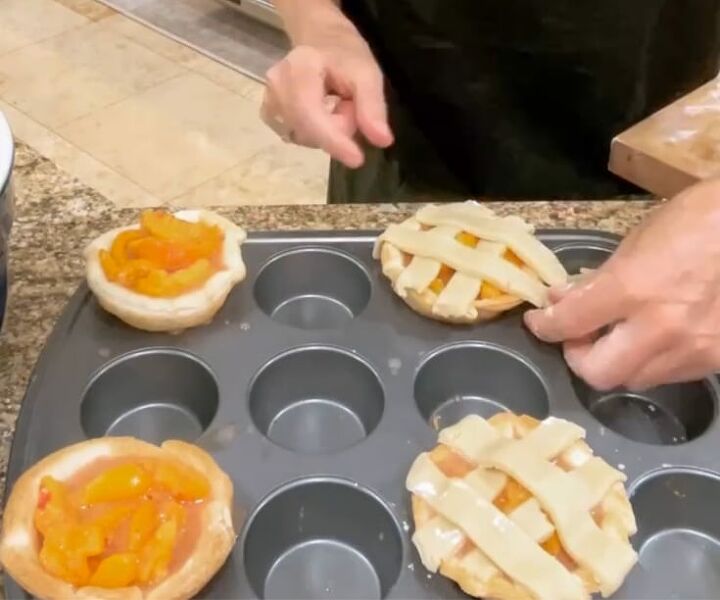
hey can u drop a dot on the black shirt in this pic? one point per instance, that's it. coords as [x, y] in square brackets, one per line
[521, 98]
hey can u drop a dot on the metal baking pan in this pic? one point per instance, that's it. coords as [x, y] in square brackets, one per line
[315, 387]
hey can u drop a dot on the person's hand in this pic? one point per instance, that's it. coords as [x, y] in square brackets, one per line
[651, 314]
[324, 92]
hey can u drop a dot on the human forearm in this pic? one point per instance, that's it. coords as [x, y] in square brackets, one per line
[304, 19]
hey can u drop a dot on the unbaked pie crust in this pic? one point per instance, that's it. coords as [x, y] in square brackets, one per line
[460, 532]
[19, 543]
[413, 252]
[194, 308]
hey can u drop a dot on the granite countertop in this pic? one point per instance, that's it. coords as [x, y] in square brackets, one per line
[56, 216]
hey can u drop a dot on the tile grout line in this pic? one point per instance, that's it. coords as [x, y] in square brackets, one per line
[115, 102]
[208, 180]
[191, 189]
[80, 151]
[183, 71]
[46, 39]
[182, 63]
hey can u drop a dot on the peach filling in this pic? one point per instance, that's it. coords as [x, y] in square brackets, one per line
[510, 498]
[487, 291]
[165, 257]
[120, 522]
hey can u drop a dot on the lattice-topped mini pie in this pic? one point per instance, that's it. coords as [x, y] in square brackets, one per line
[461, 263]
[514, 508]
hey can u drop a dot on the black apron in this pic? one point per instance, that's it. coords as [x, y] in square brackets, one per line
[512, 99]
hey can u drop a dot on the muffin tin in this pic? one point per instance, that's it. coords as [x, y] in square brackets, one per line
[315, 387]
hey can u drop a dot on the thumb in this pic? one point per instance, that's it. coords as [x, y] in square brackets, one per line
[583, 310]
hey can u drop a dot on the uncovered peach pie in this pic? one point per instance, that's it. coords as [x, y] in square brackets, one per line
[461, 263]
[168, 273]
[515, 508]
[119, 518]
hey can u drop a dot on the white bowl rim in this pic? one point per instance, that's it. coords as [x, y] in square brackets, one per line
[6, 151]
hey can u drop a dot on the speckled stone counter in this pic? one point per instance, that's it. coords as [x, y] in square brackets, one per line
[56, 216]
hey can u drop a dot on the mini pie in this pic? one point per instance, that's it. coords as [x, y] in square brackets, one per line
[168, 274]
[514, 508]
[461, 263]
[116, 518]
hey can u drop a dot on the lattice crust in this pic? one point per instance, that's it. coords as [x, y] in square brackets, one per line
[414, 253]
[567, 539]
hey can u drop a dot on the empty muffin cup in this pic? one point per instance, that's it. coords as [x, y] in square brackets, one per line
[666, 415]
[678, 539]
[322, 538]
[153, 395]
[312, 288]
[477, 378]
[316, 399]
[576, 257]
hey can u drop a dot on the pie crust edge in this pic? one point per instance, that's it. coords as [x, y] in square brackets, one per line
[19, 555]
[169, 314]
[391, 260]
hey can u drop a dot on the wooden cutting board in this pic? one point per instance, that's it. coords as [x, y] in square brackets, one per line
[673, 148]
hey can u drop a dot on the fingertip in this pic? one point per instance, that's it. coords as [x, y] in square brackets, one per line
[378, 133]
[538, 322]
[350, 155]
[384, 137]
[334, 139]
[355, 161]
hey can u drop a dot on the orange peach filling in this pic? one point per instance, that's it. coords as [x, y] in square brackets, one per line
[165, 257]
[487, 291]
[120, 522]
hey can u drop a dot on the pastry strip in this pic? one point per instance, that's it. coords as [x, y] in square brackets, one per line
[421, 271]
[482, 265]
[436, 541]
[495, 229]
[417, 276]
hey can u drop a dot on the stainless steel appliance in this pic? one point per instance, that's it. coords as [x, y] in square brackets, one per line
[6, 207]
[260, 10]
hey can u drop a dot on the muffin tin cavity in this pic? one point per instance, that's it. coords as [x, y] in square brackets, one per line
[312, 288]
[475, 378]
[322, 538]
[666, 415]
[575, 257]
[154, 395]
[678, 536]
[316, 400]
